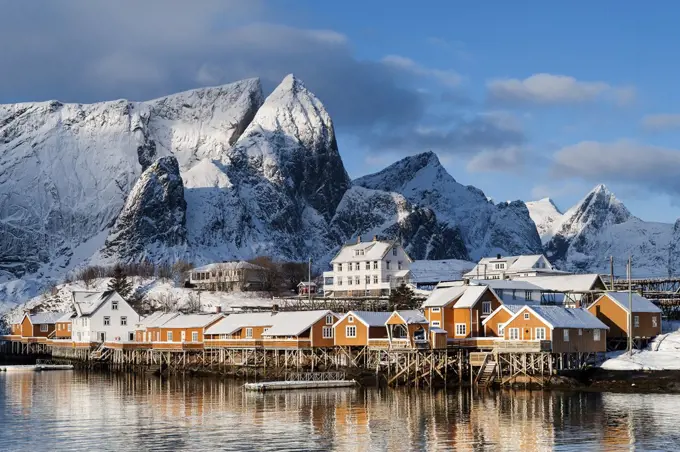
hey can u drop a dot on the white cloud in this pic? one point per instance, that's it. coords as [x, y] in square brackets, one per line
[551, 89]
[624, 162]
[497, 160]
[661, 122]
[446, 77]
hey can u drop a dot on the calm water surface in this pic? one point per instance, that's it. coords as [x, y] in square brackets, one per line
[96, 411]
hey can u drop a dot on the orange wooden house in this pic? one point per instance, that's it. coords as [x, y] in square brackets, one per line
[241, 330]
[494, 324]
[556, 329]
[63, 326]
[460, 310]
[185, 331]
[612, 308]
[40, 325]
[148, 328]
[301, 329]
[361, 329]
[407, 329]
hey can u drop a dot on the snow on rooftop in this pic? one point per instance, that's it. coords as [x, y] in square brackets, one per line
[371, 318]
[45, 317]
[374, 250]
[234, 322]
[440, 270]
[640, 303]
[560, 317]
[563, 283]
[294, 323]
[234, 265]
[191, 321]
[412, 316]
[443, 296]
[470, 297]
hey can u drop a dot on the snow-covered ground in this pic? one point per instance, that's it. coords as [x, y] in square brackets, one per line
[663, 353]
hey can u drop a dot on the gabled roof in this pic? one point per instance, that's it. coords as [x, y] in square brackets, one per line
[234, 265]
[640, 303]
[410, 317]
[560, 317]
[444, 296]
[66, 317]
[306, 283]
[471, 296]
[42, 318]
[511, 309]
[513, 264]
[157, 319]
[234, 322]
[191, 321]
[564, 283]
[427, 271]
[368, 318]
[372, 251]
[506, 284]
[294, 323]
[87, 303]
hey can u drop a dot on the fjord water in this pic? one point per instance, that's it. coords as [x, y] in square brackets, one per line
[99, 411]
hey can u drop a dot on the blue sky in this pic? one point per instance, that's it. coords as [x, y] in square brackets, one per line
[521, 99]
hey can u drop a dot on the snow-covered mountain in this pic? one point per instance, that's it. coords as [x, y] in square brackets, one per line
[600, 226]
[486, 228]
[547, 217]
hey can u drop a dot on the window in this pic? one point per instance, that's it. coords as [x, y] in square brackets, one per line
[394, 251]
[351, 331]
[596, 335]
[526, 316]
[339, 267]
[499, 292]
[339, 280]
[654, 321]
[327, 332]
[436, 309]
[528, 295]
[123, 321]
[540, 334]
[436, 324]
[514, 295]
[131, 336]
[375, 265]
[486, 307]
[68, 327]
[43, 328]
[350, 319]
[375, 279]
[194, 336]
[461, 328]
[368, 265]
[580, 332]
[399, 265]
[565, 335]
[107, 321]
[513, 334]
[387, 265]
[501, 329]
[114, 305]
[169, 336]
[350, 267]
[349, 280]
[357, 280]
[636, 321]
[368, 279]
[249, 333]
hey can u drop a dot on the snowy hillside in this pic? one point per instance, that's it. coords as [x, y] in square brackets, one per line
[487, 228]
[600, 226]
[546, 216]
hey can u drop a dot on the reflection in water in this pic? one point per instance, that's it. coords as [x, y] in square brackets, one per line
[95, 411]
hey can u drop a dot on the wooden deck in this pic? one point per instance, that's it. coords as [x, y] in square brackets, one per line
[128, 345]
[524, 346]
[177, 346]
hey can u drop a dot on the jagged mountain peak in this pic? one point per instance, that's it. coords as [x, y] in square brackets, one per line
[598, 208]
[546, 216]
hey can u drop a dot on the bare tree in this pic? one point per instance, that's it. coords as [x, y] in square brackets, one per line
[294, 272]
[165, 271]
[180, 270]
[192, 305]
[167, 302]
[269, 273]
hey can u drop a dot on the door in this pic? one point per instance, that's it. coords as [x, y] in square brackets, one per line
[101, 336]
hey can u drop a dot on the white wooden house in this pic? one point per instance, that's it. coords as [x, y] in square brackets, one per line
[102, 316]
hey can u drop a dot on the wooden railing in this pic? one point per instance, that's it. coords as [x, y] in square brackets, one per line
[235, 343]
[524, 346]
[177, 345]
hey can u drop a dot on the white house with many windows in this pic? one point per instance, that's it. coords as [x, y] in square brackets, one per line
[367, 268]
[509, 267]
[102, 316]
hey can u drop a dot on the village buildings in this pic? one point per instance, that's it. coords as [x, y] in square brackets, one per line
[102, 316]
[185, 328]
[37, 325]
[509, 267]
[372, 268]
[613, 309]
[235, 276]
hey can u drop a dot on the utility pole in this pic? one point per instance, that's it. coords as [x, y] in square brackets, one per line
[630, 307]
[611, 272]
[309, 281]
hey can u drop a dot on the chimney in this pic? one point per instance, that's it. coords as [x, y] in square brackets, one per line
[375, 238]
[275, 308]
[218, 309]
[358, 239]
[498, 256]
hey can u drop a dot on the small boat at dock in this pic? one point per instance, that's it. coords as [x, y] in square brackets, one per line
[34, 367]
[286, 385]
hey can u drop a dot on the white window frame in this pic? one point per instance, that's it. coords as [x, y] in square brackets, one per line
[436, 309]
[375, 265]
[123, 320]
[44, 328]
[249, 333]
[528, 295]
[351, 331]
[636, 321]
[168, 336]
[580, 331]
[68, 326]
[194, 336]
[107, 320]
[349, 267]
[486, 307]
[436, 324]
[655, 322]
[461, 331]
[368, 265]
[330, 320]
[565, 335]
[327, 332]
[542, 336]
[394, 251]
[513, 334]
[349, 280]
[501, 329]
[527, 316]
[357, 280]
[596, 334]
[114, 305]
[375, 279]
[350, 319]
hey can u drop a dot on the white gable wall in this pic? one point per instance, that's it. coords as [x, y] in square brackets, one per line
[88, 328]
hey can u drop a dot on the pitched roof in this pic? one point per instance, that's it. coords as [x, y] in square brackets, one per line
[436, 271]
[234, 265]
[66, 317]
[369, 318]
[294, 323]
[86, 303]
[412, 316]
[640, 303]
[564, 283]
[442, 297]
[511, 308]
[506, 284]
[372, 251]
[561, 317]
[234, 322]
[471, 296]
[45, 317]
[157, 319]
[191, 321]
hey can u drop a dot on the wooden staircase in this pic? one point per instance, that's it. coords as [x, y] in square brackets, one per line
[100, 353]
[487, 374]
